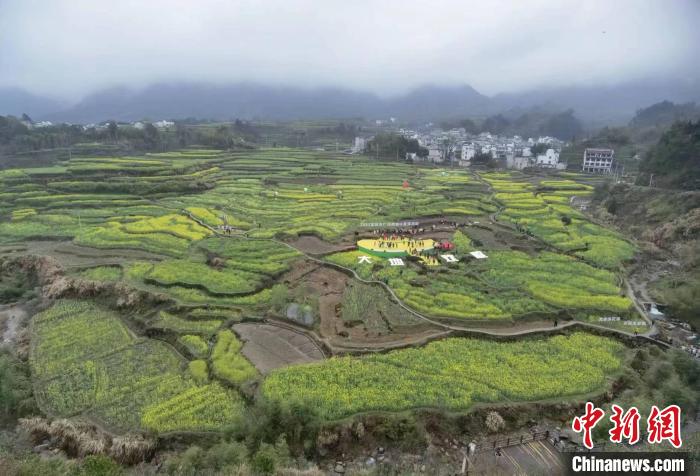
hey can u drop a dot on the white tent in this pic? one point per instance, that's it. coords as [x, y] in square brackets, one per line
[478, 255]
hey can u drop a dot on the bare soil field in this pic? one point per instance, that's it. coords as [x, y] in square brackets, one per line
[495, 237]
[314, 245]
[269, 347]
[374, 330]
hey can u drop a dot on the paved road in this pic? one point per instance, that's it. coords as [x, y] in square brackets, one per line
[536, 457]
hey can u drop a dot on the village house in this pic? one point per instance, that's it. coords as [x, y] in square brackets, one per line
[359, 145]
[435, 154]
[164, 125]
[550, 159]
[598, 160]
[518, 162]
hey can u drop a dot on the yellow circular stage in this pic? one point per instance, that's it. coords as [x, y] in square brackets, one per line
[401, 246]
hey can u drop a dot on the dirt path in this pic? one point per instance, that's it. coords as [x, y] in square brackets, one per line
[450, 327]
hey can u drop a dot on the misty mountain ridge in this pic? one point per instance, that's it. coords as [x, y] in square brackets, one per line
[258, 101]
[606, 104]
[248, 100]
[16, 101]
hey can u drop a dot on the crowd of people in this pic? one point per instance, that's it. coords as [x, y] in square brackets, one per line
[416, 230]
[401, 243]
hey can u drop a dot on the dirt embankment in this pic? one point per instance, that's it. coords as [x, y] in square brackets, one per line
[55, 284]
[665, 225]
[313, 245]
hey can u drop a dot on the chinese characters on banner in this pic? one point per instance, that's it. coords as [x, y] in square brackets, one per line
[661, 425]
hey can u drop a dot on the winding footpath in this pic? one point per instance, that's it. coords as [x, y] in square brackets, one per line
[447, 327]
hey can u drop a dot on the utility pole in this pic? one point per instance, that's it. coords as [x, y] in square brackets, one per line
[651, 180]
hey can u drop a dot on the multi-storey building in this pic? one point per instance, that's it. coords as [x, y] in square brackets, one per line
[598, 160]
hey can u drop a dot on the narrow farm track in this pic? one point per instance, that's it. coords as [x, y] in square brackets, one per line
[448, 327]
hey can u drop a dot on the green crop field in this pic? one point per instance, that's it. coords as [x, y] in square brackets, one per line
[452, 373]
[507, 285]
[538, 209]
[85, 361]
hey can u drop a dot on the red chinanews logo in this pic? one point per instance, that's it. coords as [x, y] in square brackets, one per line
[661, 425]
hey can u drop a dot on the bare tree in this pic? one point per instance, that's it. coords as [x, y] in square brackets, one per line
[495, 422]
[447, 148]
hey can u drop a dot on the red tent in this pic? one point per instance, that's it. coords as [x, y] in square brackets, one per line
[445, 245]
[405, 184]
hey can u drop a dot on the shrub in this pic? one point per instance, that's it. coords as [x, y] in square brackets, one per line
[198, 370]
[494, 422]
[195, 344]
[279, 295]
[96, 465]
[16, 398]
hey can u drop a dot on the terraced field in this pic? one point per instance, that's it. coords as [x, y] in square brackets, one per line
[211, 235]
[452, 373]
[85, 362]
[538, 209]
[507, 285]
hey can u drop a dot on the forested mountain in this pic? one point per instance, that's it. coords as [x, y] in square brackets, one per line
[665, 113]
[675, 159]
[562, 125]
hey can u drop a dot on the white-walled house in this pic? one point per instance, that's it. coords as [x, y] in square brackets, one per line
[549, 159]
[435, 154]
[518, 162]
[164, 125]
[359, 145]
[468, 152]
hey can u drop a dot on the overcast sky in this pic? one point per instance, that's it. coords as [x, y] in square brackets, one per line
[69, 48]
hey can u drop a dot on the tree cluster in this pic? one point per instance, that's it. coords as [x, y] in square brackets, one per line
[387, 145]
[665, 113]
[563, 125]
[16, 138]
[675, 159]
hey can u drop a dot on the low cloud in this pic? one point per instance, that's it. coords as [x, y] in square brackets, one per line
[69, 48]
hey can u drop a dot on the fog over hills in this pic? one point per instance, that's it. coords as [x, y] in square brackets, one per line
[16, 101]
[249, 100]
[603, 105]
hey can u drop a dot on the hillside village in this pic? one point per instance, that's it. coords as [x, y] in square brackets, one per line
[457, 147]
